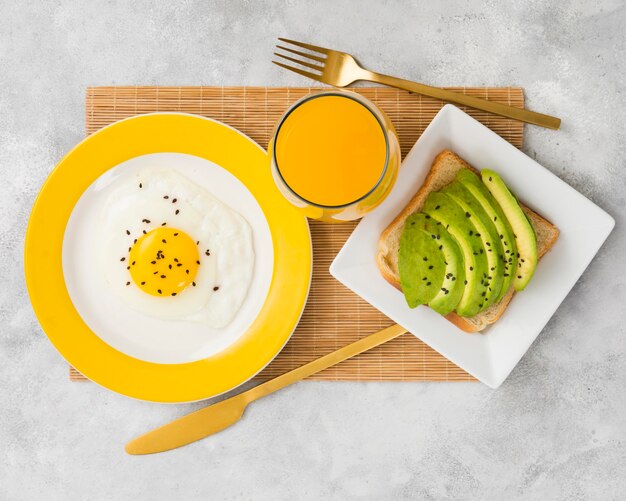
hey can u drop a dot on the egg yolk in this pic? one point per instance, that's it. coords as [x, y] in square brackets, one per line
[163, 262]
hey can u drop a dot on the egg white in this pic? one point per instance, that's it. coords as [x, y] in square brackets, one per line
[217, 228]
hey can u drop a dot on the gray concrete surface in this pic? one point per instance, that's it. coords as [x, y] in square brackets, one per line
[555, 430]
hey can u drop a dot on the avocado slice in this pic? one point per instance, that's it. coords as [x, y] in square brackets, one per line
[523, 232]
[420, 262]
[487, 233]
[453, 286]
[476, 187]
[445, 210]
[449, 295]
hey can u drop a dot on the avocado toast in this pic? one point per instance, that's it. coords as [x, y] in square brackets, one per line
[486, 230]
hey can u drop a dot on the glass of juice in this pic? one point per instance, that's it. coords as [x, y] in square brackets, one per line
[334, 155]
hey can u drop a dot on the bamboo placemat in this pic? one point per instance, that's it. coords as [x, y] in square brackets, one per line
[334, 316]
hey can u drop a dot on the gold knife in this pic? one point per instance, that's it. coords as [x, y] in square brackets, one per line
[216, 417]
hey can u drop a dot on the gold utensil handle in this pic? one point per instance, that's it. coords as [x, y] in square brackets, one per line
[324, 362]
[521, 114]
[216, 417]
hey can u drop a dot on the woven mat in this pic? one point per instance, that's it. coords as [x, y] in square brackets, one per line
[334, 316]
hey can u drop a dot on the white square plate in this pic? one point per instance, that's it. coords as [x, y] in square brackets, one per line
[490, 357]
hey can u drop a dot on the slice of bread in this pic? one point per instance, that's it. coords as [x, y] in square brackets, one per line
[442, 173]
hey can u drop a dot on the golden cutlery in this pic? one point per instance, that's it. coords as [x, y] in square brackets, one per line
[216, 417]
[340, 69]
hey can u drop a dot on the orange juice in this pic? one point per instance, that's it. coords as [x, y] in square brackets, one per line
[331, 150]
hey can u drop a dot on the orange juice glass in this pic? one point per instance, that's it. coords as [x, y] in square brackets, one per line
[334, 155]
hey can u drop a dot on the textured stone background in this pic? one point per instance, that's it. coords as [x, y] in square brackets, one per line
[555, 430]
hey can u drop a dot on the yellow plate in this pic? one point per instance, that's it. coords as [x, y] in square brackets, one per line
[155, 133]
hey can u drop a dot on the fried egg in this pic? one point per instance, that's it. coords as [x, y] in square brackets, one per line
[171, 250]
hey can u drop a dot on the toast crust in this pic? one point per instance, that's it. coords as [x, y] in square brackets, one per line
[443, 171]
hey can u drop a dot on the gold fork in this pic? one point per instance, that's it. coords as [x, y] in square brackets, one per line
[340, 69]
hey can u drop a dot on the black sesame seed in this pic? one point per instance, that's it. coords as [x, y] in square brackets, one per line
[193, 283]
[127, 283]
[163, 224]
[147, 221]
[215, 288]
[175, 200]
[166, 197]
[144, 232]
[123, 259]
[207, 252]
[127, 232]
[177, 211]
[128, 267]
[140, 185]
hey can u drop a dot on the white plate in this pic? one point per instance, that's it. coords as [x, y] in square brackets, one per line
[149, 338]
[490, 357]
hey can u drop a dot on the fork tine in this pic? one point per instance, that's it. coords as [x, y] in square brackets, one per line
[303, 54]
[314, 48]
[297, 61]
[299, 71]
